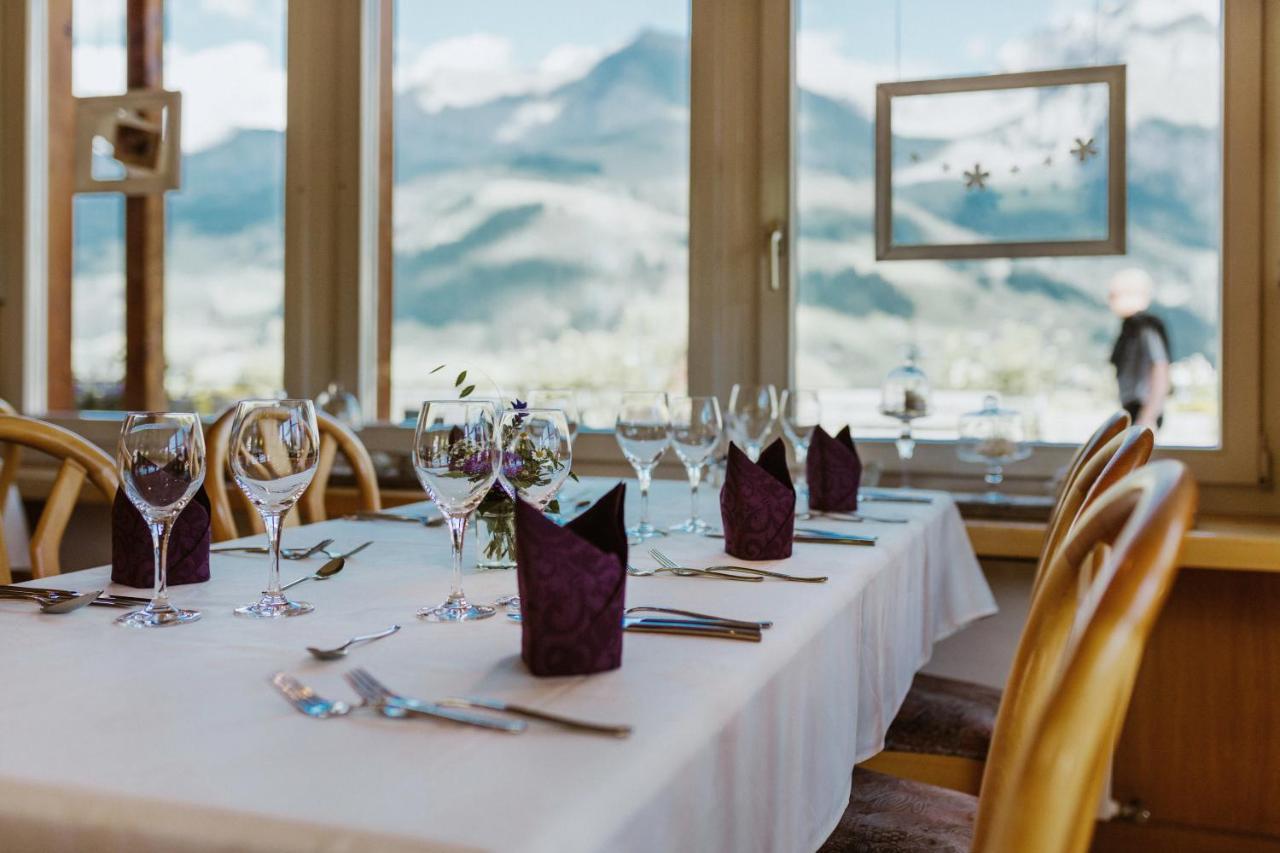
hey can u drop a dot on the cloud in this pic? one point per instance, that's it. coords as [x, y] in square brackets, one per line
[479, 67]
[224, 88]
[239, 9]
[824, 68]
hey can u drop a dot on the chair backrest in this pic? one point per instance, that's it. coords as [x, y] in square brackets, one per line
[335, 438]
[80, 460]
[10, 454]
[1076, 663]
[1079, 479]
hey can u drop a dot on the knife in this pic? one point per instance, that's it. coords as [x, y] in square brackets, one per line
[690, 628]
[428, 520]
[824, 536]
[893, 498]
[535, 714]
[104, 600]
[687, 627]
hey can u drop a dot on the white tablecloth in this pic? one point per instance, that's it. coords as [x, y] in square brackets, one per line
[173, 739]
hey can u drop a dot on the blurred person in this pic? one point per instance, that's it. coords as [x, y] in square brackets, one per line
[1141, 351]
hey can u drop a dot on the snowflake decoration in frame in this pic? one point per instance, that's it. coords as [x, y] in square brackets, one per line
[1048, 149]
[129, 143]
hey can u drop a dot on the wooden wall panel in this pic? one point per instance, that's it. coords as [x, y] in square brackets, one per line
[1201, 745]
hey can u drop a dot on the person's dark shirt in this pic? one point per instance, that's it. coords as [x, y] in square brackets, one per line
[1143, 342]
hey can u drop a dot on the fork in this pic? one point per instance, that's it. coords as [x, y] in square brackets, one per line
[388, 704]
[683, 572]
[667, 562]
[287, 553]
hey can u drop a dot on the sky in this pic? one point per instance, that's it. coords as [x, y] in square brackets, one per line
[228, 55]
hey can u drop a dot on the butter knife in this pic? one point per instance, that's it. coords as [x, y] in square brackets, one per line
[691, 628]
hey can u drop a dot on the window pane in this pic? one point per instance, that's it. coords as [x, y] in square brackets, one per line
[97, 272]
[224, 263]
[224, 258]
[1037, 330]
[541, 194]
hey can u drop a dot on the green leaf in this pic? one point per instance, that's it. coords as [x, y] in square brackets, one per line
[466, 392]
[554, 507]
[438, 368]
[574, 477]
[462, 377]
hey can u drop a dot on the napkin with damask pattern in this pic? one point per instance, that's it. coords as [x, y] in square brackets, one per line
[834, 472]
[572, 582]
[132, 558]
[758, 505]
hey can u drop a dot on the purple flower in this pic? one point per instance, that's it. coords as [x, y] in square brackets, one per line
[475, 464]
[512, 465]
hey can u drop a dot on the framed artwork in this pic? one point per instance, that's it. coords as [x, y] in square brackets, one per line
[1002, 166]
[128, 143]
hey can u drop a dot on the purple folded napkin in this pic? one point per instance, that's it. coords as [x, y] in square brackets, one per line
[758, 505]
[132, 559]
[834, 472]
[572, 582]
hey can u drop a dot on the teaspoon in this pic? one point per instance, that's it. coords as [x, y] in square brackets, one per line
[341, 651]
[325, 572]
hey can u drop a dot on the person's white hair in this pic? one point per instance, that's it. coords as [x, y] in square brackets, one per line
[1130, 291]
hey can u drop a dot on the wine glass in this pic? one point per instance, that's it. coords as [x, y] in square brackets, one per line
[537, 455]
[564, 399]
[274, 449]
[696, 425]
[643, 430]
[752, 411]
[801, 412]
[455, 454]
[161, 459]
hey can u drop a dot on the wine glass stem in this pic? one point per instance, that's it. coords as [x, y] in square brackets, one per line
[457, 530]
[695, 477]
[160, 548]
[645, 477]
[272, 520]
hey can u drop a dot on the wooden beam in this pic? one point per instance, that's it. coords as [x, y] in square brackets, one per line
[386, 187]
[144, 223]
[62, 120]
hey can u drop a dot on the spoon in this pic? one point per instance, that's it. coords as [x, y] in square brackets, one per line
[58, 605]
[341, 651]
[325, 572]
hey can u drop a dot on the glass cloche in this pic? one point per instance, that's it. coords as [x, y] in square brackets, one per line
[341, 405]
[904, 396]
[994, 437]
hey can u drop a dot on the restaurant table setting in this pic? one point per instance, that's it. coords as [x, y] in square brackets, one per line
[708, 689]
[175, 738]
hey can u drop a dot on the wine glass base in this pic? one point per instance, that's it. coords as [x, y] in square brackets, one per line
[157, 618]
[644, 531]
[456, 611]
[274, 607]
[690, 525]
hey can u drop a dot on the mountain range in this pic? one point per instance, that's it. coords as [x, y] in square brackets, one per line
[554, 226]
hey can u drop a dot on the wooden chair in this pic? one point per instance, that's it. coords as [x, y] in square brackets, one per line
[335, 437]
[1072, 678]
[943, 730]
[80, 460]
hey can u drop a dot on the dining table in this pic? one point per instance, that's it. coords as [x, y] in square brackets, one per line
[174, 738]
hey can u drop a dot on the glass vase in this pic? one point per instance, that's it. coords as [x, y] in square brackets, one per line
[496, 537]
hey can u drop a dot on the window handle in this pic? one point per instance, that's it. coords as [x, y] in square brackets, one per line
[775, 257]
